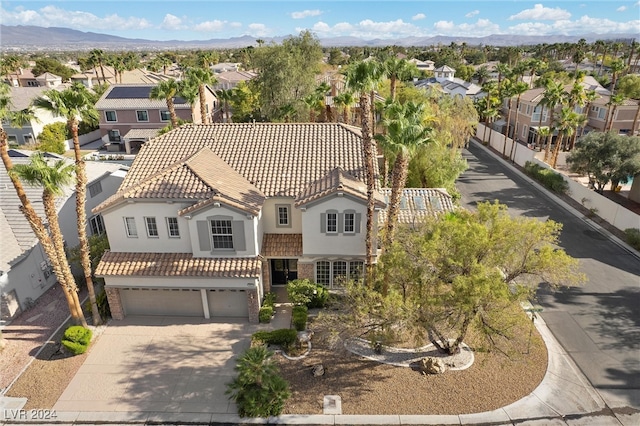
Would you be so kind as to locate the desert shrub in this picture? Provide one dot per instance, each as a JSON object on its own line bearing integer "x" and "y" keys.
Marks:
{"x": 76, "y": 339}
{"x": 299, "y": 317}
{"x": 548, "y": 178}
{"x": 258, "y": 389}
{"x": 269, "y": 299}
{"x": 306, "y": 292}
{"x": 265, "y": 314}
{"x": 284, "y": 337}
{"x": 52, "y": 138}
{"x": 633, "y": 237}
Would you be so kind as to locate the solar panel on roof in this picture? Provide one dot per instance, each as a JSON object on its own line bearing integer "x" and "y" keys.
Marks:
{"x": 131, "y": 92}
{"x": 435, "y": 203}
{"x": 419, "y": 203}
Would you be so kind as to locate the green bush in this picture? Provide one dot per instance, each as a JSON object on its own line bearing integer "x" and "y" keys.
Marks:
{"x": 76, "y": 339}
{"x": 103, "y": 304}
{"x": 265, "y": 314}
{"x": 299, "y": 317}
{"x": 633, "y": 237}
{"x": 548, "y": 178}
{"x": 52, "y": 138}
{"x": 306, "y": 292}
{"x": 269, "y": 299}
{"x": 258, "y": 390}
{"x": 284, "y": 337}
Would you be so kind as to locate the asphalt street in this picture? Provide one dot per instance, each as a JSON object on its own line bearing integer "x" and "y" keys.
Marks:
{"x": 597, "y": 323}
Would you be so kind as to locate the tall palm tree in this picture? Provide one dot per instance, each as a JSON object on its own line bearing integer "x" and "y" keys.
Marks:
{"x": 405, "y": 132}
{"x": 201, "y": 77}
{"x": 52, "y": 179}
{"x": 313, "y": 101}
{"x": 75, "y": 104}
{"x": 361, "y": 78}
{"x": 517, "y": 90}
{"x": 614, "y": 102}
{"x": 225, "y": 96}
{"x": 97, "y": 57}
{"x": 482, "y": 74}
{"x": 321, "y": 94}
{"x": 398, "y": 69}
{"x": 166, "y": 91}
{"x": 566, "y": 124}
{"x": 344, "y": 101}
{"x": 506, "y": 91}
{"x": 553, "y": 96}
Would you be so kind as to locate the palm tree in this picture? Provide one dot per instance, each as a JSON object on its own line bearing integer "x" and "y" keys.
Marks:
{"x": 97, "y": 57}
{"x": 517, "y": 90}
{"x": 74, "y": 104}
{"x": 566, "y": 120}
{"x": 321, "y": 93}
{"x": 481, "y": 74}
{"x": 543, "y": 133}
{"x": 553, "y": 96}
{"x": 52, "y": 179}
{"x": 225, "y": 96}
{"x": 344, "y": 100}
{"x": 287, "y": 112}
{"x": 395, "y": 69}
{"x": 201, "y": 77}
{"x": 506, "y": 91}
{"x": 614, "y": 102}
{"x": 313, "y": 101}
{"x": 167, "y": 90}
{"x": 361, "y": 78}
{"x": 405, "y": 132}
{"x": 617, "y": 66}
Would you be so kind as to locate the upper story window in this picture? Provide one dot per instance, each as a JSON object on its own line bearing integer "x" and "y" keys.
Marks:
{"x": 95, "y": 188}
{"x": 130, "y": 227}
{"x": 222, "y": 234}
{"x": 165, "y": 116}
{"x": 172, "y": 227}
{"x": 152, "y": 227}
{"x": 97, "y": 225}
{"x": 110, "y": 116}
{"x": 142, "y": 115}
{"x": 332, "y": 223}
{"x": 349, "y": 222}
{"x": 283, "y": 212}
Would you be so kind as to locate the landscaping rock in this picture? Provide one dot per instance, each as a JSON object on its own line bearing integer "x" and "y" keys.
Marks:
{"x": 317, "y": 370}
{"x": 431, "y": 365}
{"x": 305, "y": 336}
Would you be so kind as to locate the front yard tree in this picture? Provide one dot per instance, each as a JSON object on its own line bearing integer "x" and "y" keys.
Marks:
{"x": 52, "y": 178}
{"x": 459, "y": 272}
{"x": 166, "y": 91}
{"x": 75, "y": 104}
{"x": 606, "y": 157}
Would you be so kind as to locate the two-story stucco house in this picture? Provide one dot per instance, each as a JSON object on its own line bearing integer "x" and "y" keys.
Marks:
{"x": 445, "y": 78}
{"x": 209, "y": 217}
{"x": 125, "y": 108}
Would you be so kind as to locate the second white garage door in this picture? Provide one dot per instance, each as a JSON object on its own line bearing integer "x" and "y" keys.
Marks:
{"x": 228, "y": 303}
{"x": 170, "y": 302}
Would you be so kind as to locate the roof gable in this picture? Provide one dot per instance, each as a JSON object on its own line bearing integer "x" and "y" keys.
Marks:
{"x": 336, "y": 181}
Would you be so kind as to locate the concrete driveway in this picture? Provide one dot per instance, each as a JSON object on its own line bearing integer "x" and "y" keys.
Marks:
{"x": 160, "y": 364}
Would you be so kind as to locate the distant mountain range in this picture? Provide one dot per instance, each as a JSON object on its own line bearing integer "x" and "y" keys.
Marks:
{"x": 40, "y": 38}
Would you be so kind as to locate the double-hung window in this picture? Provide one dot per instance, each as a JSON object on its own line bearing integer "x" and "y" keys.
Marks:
{"x": 142, "y": 115}
{"x": 349, "y": 222}
{"x": 165, "y": 116}
{"x": 283, "y": 213}
{"x": 222, "y": 234}
{"x": 130, "y": 226}
{"x": 152, "y": 227}
{"x": 332, "y": 223}
{"x": 110, "y": 116}
{"x": 172, "y": 227}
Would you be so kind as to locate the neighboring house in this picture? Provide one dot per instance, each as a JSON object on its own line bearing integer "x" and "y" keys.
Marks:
{"x": 423, "y": 65}
{"x": 23, "y": 78}
{"x": 126, "y": 107}
{"x": 89, "y": 78}
{"x": 210, "y": 217}
{"x": 529, "y": 110}
{"x": 49, "y": 80}
{"x": 418, "y": 204}
{"x": 230, "y": 79}
{"x": 25, "y": 273}
{"x": 21, "y": 98}
{"x": 446, "y": 80}
{"x": 225, "y": 67}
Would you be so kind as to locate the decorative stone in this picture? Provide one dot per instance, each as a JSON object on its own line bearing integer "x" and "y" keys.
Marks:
{"x": 305, "y": 336}
{"x": 431, "y": 365}
{"x": 317, "y": 370}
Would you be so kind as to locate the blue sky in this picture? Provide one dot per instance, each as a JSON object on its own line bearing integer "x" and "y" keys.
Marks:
{"x": 202, "y": 20}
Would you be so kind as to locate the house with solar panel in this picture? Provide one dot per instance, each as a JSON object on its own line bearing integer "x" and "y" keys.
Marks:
{"x": 210, "y": 217}
{"x": 128, "y": 117}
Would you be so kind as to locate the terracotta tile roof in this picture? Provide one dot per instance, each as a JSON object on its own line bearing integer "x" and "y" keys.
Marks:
{"x": 337, "y": 180}
{"x": 203, "y": 177}
{"x": 177, "y": 264}
{"x": 279, "y": 159}
{"x": 419, "y": 203}
{"x": 282, "y": 245}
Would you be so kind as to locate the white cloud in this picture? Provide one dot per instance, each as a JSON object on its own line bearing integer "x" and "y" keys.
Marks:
{"x": 258, "y": 30}
{"x": 368, "y": 29}
{"x": 482, "y": 27}
{"x": 52, "y": 16}
{"x": 621, "y": 9}
{"x": 418, "y": 16}
{"x": 172, "y": 23}
{"x": 541, "y": 13}
{"x": 444, "y": 25}
{"x": 305, "y": 14}
{"x": 472, "y": 14}
{"x": 214, "y": 26}
{"x": 577, "y": 27}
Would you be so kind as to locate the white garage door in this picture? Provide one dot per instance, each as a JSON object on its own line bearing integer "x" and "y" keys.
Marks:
{"x": 228, "y": 303}
{"x": 171, "y": 302}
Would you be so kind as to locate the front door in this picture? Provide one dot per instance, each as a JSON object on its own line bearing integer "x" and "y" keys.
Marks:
{"x": 283, "y": 271}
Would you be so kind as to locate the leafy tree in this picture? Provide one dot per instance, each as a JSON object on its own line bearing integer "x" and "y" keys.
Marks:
{"x": 245, "y": 103}
{"x": 54, "y": 67}
{"x": 629, "y": 86}
{"x": 459, "y": 271}
{"x": 52, "y": 138}
{"x": 433, "y": 166}
{"x": 606, "y": 157}
{"x": 258, "y": 390}
{"x": 75, "y": 104}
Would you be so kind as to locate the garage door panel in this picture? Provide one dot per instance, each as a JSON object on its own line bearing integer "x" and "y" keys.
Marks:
{"x": 169, "y": 302}
{"x": 228, "y": 303}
